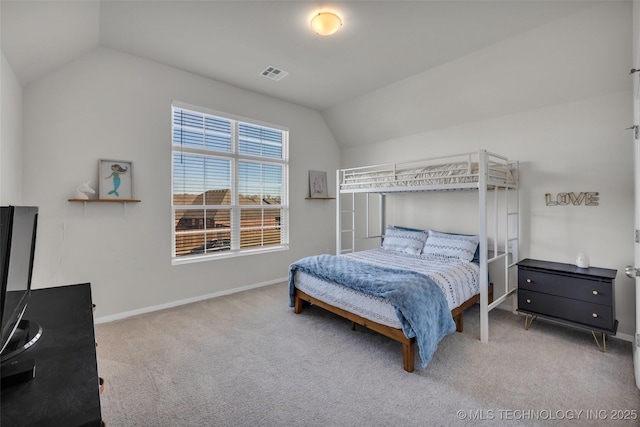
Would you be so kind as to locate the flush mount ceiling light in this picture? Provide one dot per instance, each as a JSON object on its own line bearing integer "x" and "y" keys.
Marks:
{"x": 326, "y": 23}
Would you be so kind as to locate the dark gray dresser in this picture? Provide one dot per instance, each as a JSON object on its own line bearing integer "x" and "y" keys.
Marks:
{"x": 582, "y": 297}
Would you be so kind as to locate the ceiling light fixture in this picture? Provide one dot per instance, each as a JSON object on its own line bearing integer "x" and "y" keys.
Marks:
{"x": 326, "y": 23}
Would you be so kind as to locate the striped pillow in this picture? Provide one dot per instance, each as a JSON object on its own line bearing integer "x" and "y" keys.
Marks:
{"x": 451, "y": 246}
{"x": 403, "y": 240}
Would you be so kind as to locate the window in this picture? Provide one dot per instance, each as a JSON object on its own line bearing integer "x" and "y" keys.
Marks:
{"x": 230, "y": 185}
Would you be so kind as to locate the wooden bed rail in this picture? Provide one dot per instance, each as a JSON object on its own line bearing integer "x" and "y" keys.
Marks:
{"x": 408, "y": 344}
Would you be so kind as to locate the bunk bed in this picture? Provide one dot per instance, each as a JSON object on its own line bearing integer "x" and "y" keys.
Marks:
{"x": 353, "y": 283}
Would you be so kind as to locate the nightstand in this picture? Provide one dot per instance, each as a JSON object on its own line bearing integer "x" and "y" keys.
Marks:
{"x": 581, "y": 297}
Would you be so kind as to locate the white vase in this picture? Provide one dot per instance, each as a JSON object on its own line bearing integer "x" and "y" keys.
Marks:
{"x": 582, "y": 260}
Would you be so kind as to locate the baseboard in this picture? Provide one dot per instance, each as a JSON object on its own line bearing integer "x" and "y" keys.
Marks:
{"x": 124, "y": 315}
{"x": 623, "y": 337}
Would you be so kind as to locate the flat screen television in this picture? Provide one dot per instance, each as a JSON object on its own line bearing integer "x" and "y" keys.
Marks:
{"x": 18, "y": 225}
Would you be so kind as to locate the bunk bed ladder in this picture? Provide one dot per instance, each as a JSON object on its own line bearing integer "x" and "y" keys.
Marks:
{"x": 509, "y": 256}
{"x": 339, "y": 223}
{"x": 484, "y": 251}
{"x": 350, "y": 229}
{"x": 514, "y": 239}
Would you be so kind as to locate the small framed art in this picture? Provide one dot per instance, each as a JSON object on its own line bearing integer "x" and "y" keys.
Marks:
{"x": 115, "y": 180}
{"x": 318, "y": 185}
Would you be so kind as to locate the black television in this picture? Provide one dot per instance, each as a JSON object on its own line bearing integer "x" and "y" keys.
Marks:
{"x": 18, "y": 225}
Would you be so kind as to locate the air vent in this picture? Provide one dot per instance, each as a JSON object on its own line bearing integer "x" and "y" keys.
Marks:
{"x": 274, "y": 73}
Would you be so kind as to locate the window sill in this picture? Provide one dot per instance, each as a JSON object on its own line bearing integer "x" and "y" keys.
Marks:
{"x": 226, "y": 254}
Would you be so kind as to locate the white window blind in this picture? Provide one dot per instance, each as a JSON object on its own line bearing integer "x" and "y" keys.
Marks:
{"x": 229, "y": 185}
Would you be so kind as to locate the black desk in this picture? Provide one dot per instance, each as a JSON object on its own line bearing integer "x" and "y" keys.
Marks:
{"x": 65, "y": 391}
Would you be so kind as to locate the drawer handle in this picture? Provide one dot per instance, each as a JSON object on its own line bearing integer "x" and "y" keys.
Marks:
{"x": 595, "y": 292}
{"x": 594, "y": 315}
{"x": 528, "y": 301}
{"x": 529, "y": 280}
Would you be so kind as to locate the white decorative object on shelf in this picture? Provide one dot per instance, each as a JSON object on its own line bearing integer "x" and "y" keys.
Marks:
{"x": 82, "y": 190}
{"x": 582, "y": 260}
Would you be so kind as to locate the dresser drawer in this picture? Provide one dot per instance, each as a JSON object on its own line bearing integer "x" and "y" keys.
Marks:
{"x": 578, "y": 288}
{"x": 585, "y": 313}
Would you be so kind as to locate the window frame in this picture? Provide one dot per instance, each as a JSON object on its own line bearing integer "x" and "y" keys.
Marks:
{"x": 235, "y": 207}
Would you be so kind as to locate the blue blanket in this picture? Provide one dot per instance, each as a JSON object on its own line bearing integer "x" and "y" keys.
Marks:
{"x": 419, "y": 303}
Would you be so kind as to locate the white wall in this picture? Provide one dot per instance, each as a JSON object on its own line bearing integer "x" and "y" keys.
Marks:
{"x": 565, "y": 143}
{"x": 10, "y": 136}
{"x": 115, "y": 106}
{"x": 636, "y": 33}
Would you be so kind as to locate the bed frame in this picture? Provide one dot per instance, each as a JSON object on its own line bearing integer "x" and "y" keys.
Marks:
{"x": 408, "y": 344}
{"x": 480, "y": 171}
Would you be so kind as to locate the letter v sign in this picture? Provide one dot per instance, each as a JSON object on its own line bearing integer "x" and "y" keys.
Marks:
{"x": 576, "y": 200}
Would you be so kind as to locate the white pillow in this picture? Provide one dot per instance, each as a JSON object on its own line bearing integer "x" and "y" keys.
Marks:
{"x": 403, "y": 240}
{"x": 451, "y": 246}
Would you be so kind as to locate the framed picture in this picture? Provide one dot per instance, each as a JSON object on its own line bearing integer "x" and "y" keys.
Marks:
{"x": 318, "y": 184}
{"x": 115, "y": 181}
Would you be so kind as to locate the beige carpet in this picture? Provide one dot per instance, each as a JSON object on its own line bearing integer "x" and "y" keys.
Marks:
{"x": 248, "y": 360}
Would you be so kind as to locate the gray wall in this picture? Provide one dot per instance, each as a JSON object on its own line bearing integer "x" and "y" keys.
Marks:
{"x": 10, "y": 136}
{"x": 115, "y": 106}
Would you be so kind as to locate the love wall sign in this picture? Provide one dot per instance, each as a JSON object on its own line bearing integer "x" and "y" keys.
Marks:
{"x": 589, "y": 198}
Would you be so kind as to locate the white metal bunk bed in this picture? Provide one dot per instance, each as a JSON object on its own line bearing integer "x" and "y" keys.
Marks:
{"x": 494, "y": 177}
{"x": 489, "y": 174}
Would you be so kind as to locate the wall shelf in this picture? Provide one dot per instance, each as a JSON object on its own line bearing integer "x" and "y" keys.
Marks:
{"x": 105, "y": 200}
{"x": 123, "y": 201}
{"x": 319, "y": 198}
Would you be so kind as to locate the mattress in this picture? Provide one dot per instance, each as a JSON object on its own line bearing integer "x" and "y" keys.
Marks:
{"x": 458, "y": 280}
{"x": 442, "y": 174}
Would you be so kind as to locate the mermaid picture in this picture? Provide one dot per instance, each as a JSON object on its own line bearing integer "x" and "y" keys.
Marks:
{"x": 116, "y": 171}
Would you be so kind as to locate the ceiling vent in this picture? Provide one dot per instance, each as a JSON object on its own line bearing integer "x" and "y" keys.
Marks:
{"x": 274, "y": 73}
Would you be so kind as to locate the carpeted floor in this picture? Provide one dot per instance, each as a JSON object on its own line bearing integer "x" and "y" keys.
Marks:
{"x": 248, "y": 360}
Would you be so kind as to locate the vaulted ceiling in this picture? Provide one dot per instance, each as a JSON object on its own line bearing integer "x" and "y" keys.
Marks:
{"x": 380, "y": 43}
